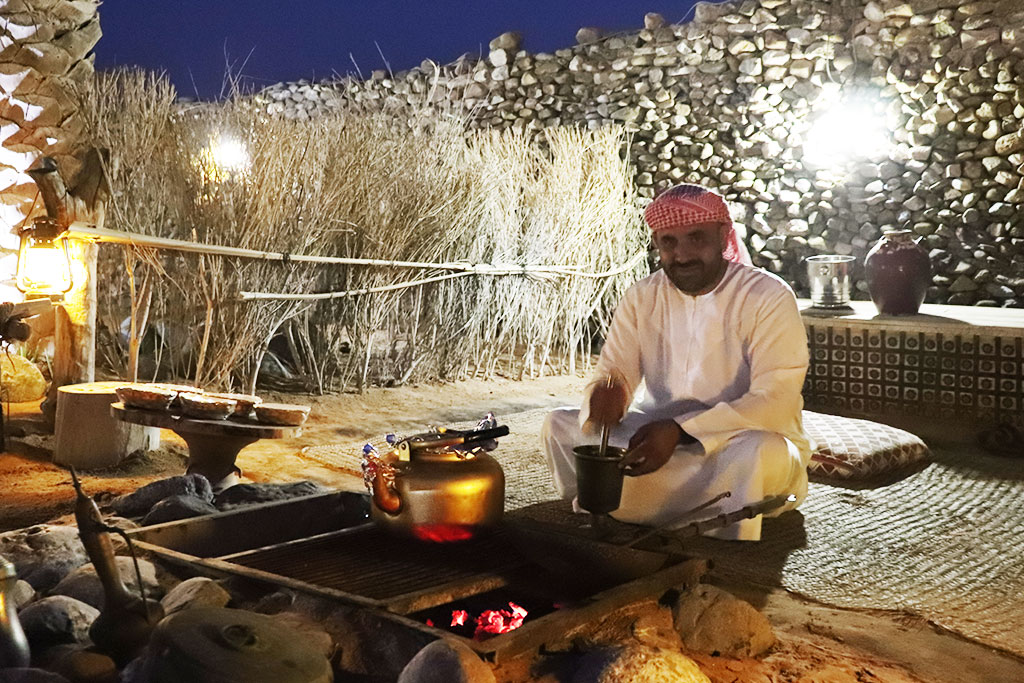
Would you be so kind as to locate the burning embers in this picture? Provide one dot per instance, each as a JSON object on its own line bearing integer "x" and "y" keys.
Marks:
{"x": 491, "y": 622}
{"x": 489, "y": 614}
{"x": 442, "y": 533}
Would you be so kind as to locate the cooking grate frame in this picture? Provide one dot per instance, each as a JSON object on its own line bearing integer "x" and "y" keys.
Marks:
{"x": 397, "y": 574}
{"x": 276, "y": 530}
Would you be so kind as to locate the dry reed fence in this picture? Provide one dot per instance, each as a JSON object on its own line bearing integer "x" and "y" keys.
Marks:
{"x": 361, "y": 186}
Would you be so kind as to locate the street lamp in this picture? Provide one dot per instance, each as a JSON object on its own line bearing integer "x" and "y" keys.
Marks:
{"x": 44, "y": 266}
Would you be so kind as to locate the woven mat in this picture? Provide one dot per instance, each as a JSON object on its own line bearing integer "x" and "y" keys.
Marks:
{"x": 945, "y": 542}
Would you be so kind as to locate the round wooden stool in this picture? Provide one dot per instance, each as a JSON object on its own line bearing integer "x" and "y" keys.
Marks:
{"x": 88, "y": 436}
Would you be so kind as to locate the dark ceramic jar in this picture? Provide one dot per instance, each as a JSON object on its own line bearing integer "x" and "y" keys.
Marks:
{"x": 898, "y": 273}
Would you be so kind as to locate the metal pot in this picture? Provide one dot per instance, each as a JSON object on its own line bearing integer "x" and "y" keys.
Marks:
{"x": 438, "y": 492}
{"x": 598, "y": 478}
{"x": 829, "y": 278}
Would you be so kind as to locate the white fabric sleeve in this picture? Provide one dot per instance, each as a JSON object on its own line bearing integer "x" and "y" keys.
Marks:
{"x": 778, "y": 365}
{"x": 620, "y": 355}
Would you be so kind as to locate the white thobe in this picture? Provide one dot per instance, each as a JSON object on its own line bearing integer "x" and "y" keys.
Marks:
{"x": 729, "y": 367}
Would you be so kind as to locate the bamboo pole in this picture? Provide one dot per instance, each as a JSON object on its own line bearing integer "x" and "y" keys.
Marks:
{"x": 89, "y": 234}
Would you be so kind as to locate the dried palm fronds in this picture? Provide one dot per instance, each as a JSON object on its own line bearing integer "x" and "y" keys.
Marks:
{"x": 363, "y": 186}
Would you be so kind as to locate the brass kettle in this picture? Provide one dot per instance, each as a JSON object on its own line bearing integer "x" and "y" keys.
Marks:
{"x": 433, "y": 490}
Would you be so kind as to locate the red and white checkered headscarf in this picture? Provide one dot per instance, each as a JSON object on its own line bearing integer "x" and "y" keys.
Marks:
{"x": 685, "y": 205}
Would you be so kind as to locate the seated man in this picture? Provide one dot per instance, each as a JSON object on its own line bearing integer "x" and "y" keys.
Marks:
{"x": 721, "y": 350}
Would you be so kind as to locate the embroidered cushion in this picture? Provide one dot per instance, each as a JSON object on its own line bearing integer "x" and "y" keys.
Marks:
{"x": 848, "y": 448}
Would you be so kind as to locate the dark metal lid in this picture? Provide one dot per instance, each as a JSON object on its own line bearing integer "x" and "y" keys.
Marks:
{"x": 216, "y": 644}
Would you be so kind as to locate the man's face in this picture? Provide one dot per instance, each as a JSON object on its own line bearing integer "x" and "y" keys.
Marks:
{"x": 691, "y": 256}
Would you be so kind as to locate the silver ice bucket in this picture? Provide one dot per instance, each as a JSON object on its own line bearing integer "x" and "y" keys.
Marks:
{"x": 829, "y": 277}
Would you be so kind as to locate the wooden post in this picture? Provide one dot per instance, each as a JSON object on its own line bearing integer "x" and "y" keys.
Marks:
{"x": 74, "y": 359}
{"x": 74, "y": 335}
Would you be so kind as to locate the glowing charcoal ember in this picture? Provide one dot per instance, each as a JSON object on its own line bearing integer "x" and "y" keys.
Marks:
{"x": 443, "y": 533}
{"x": 459, "y": 617}
{"x": 492, "y": 622}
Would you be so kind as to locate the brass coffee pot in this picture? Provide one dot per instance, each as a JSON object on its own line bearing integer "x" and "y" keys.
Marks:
{"x": 431, "y": 488}
{"x": 126, "y": 621}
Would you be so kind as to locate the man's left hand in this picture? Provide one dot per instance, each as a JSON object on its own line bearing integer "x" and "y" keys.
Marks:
{"x": 651, "y": 447}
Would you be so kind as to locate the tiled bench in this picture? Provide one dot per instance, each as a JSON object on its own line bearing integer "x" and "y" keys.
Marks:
{"x": 947, "y": 372}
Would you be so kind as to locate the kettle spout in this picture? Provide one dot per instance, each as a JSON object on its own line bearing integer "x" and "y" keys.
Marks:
{"x": 385, "y": 495}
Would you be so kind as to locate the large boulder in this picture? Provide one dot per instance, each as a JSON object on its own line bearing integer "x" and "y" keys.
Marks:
{"x": 22, "y": 593}
{"x": 177, "y": 507}
{"x": 637, "y": 664}
{"x": 713, "y": 621}
{"x": 444, "y": 661}
{"x": 138, "y": 503}
{"x": 57, "y": 620}
{"x": 199, "y": 591}
{"x": 30, "y": 676}
{"x": 81, "y": 665}
{"x": 84, "y": 584}
{"x": 43, "y": 554}
{"x": 240, "y": 495}
{"x": 20, "y": 379}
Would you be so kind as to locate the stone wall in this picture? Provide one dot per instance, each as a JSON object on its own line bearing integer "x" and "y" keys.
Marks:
{"x": 729, "y": 98}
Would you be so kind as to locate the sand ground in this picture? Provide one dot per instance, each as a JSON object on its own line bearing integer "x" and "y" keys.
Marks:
{"x": 816, "y": 643}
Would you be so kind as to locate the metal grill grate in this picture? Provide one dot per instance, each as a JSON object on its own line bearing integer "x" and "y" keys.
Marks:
{"x": 377, "y": 565}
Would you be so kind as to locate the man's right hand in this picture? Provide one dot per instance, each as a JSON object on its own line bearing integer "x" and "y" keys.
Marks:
{"x": 608, "y": 402}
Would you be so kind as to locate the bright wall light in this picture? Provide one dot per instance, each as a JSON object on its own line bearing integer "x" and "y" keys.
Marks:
{"x": 846, "y": 131}
{"x": 224, "y": 157}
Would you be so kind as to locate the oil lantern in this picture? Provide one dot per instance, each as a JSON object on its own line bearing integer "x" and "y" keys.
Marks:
{"x": 44, "y": 266}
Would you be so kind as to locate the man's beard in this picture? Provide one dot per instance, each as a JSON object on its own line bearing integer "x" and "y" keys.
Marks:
{"x": 694, "y": 277}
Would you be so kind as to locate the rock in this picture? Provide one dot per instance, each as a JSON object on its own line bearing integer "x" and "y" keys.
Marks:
{"x": 637, "y": 664}
{"x": 82, "y": 666}
{"x": 43, "y": 554}
{"x": 999, "y": 291}
{"x": 56, "y": 620}
{"x": 510, "y": 40}
{"x": 588, "y": 34}
{"x": 139, "y": 502}
{"x": 444, "y": 661}
{"x": 741, "y": 46}
{"x": 713, "y": 621}
{"x": 655, "y": 628}
{"x": 874, "y": 13}
{"x": 136, "y": 671}
{"x": 30, "y": 676}
{"x": 177, "y": 507}
{"x": 199, "y": 591}
{"x": 22, "y": 594}
{"x": 20, "y": 379}
{"x": 251, "y": 494}
{"x": 963, "y": 284}
{"x": 84, "y": 585}
{"x": 310, "y": 630}
{"x": 653, "y": 21}
{"x": 498, "y": 57}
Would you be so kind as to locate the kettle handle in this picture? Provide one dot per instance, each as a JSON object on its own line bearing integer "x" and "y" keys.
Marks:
{"x": 456, "y": 439}
{"x": 485, "y": 434}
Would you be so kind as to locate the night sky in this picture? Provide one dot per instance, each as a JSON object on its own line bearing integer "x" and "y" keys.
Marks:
{"x": 196, "y": 42}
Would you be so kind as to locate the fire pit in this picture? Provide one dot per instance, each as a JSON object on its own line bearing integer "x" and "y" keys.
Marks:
{"x": 495, "y": 592}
